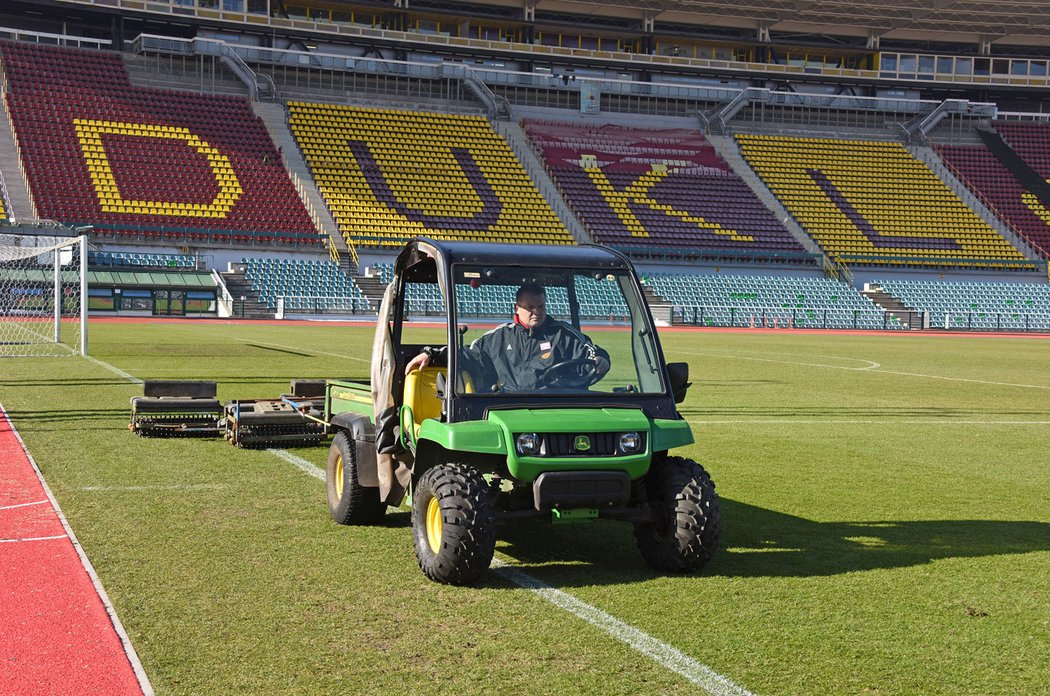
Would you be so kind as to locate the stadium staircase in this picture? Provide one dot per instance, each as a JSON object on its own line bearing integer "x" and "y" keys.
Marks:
{"x": 907, "y": 316}
{"x": 20, "y": 203}
{"x": 519, "y": 142}
{"x": 372, "y": 287}
{"x": 239, "y": 287}
{"x": 275, "y": 119}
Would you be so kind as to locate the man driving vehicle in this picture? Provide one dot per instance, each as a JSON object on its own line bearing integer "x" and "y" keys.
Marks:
{"x": 519, "y": 355}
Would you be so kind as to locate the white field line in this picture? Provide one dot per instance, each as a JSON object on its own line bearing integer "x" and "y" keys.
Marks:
{"x": 115, "y": 370}
{"x": 869, "y": 367}
{"x": 305, "y": 466}
{"x": 656, "y": 650}
{"x": 50, "y": 538}
{"x": 159, "y": 487}
{"x": 21, "y": 505}
{"x": 111, "y": 612}
{"x": 895, "y": 422}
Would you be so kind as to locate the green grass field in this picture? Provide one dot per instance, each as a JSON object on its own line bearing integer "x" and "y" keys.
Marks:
{"x": 885, "y": 505}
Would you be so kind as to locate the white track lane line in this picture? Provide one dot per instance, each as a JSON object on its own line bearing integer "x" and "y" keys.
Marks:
{"x": 125, "y": 640}
{"x": 663, "y": 654}
{"x": 50, "y": 538}
{"x": 21, "y": 505}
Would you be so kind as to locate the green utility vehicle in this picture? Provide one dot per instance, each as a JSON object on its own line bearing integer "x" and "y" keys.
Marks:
{"x": 579, "y": 442}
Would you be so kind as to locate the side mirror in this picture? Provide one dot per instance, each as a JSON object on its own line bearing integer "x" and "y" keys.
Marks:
{"x": 678, "y": 373}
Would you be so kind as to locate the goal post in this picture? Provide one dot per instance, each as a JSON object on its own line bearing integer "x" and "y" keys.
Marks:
{"x": 43, "y": 295}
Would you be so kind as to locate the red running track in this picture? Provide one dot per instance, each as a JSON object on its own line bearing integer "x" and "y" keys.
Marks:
{"x": 58, "y": 634}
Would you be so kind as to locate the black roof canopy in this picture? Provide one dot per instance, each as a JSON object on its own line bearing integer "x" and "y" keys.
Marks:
{"x": 447, "y": 253}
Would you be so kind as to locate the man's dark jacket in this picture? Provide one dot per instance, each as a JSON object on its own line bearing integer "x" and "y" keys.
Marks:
{"x": 514, "y": 357}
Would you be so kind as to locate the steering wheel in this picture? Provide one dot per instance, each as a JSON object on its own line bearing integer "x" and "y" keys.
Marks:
{"x": 568, "y": 374}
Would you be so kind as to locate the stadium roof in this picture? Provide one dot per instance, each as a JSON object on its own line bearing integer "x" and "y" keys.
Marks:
{"x": 1016, "y": 22}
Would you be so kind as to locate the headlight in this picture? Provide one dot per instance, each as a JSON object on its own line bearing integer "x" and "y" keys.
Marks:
{"x": 630, "y": 442}
{"x": 528, "y": 443}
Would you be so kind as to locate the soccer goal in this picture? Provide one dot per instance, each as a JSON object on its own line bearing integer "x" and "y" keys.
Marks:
{"x": 43, "y": 295}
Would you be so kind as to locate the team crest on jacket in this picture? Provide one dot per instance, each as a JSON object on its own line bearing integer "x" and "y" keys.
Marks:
{"x": 546, "y": 356}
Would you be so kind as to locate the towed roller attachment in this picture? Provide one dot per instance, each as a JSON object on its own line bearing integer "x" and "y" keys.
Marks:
{"x": 275, "y": 422}
{"x": 176, "y": 408}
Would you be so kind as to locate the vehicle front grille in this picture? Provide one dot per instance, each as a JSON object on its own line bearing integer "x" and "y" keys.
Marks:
{"x": 564, "y": 445}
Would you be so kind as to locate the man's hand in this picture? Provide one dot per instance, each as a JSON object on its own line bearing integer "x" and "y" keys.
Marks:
{"x": 418, "y": 363}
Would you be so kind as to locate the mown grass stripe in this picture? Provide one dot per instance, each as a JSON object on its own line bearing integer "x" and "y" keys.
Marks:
{"x": 873, "y": 367}
{"x": 656, "y": 650}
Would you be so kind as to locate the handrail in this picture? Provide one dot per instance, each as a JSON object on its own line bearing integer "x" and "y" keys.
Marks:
{"x": 987, "y": 203}
{"x": 942, "y": 261}
{"x": 491, "y": 76}
{"x": 225, "y": 297}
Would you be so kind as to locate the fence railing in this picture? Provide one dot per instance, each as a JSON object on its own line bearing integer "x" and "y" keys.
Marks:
{"x": 840, "y": 318}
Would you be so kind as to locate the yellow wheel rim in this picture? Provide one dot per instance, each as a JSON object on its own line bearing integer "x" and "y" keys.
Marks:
{"x": 339, "y": 476}
{"x": 434, "y": 525}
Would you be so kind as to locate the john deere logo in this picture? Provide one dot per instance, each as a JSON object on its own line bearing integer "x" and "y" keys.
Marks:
{"x": 582, "y": 444}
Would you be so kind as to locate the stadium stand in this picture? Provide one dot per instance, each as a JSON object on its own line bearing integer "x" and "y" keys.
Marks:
{"x": 985, "y": 175}
{"x": 147, "y": 163}
{"x": 744, "y": 300}
{"x": 597, "y": 301}
{"x": 970, "y": 305}
{"x": 389, "y": 175}
{"x": 638, "y": 188}
{"x": 304, "y": 285}
{"x": 872, "y": 202}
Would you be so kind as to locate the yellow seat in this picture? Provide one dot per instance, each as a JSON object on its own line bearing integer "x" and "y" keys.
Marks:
{"x": 421, "y": 395}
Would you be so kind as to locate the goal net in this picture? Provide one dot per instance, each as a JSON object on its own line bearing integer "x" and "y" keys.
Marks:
{"x": 43, "y": 293}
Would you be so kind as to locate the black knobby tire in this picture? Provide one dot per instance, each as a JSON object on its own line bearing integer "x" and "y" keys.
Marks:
{"x": 453, "y": 523}
{"x": 687, "y": 534}
{"x": 349, "y": 501}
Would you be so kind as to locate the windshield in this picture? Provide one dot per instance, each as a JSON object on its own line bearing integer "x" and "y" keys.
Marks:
{"x": 552, "y": 331}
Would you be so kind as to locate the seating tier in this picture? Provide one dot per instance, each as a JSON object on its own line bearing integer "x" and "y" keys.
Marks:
{"x": 872, "y": 202}
{"x": 730, "y": 300}
{"x": 177, "y": 166}
{"x": 655, "y": 188}
{"x": 974, "y": 305}
{"x": 390, "y": 175}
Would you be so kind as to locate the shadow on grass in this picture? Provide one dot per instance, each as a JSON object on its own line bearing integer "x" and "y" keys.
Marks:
{"x": 763, "y": 543}
{"x": 71, "y": 382}
{"x": 73, "y": 413}
{"x": 760, "y": 542}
